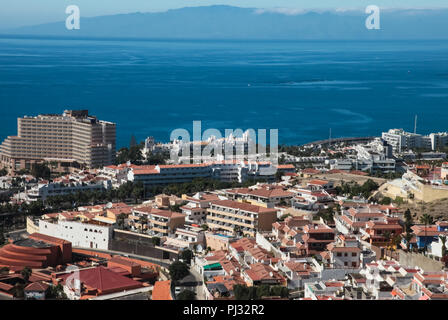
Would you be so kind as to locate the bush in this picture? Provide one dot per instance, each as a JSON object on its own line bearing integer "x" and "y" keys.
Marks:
{"x": 186, "y": 295}
{"x": 178, "y": 270}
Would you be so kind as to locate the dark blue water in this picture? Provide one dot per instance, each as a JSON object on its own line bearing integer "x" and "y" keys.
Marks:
{"x": 301, "y": 88}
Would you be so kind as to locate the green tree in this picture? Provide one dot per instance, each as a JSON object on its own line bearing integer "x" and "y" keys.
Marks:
{"x": 385, "y": 201}
{"x": 2, "y": 238}
{"x": 443, "y": 240}
{"x": 121, "y": 220}
{"x": 178, "y": 270}
{"x": 155, "y": 241}
{"x": 426, "y": 219}
{"x": 408, "y": 237}
{"x": 157, "y": 158}
{"x": 263, "y": 291}
{"x": 186, "y": 256}
{"x": 26, "y": 273}
{"x": 138, "y": 191}
{"x": 41, "y": 171}
{"x": 408, "y": 221}
{"x": 143, "y": 221}
{"x": 4, "y": 270}
{"x": 56, "y": 292}
{"x": 279, "y": 291}
{"x": 186, "y": 295}
{"x": 18, "y": 290}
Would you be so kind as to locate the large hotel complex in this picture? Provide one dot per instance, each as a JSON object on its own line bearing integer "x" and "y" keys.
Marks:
{"x": 73, "y": 138}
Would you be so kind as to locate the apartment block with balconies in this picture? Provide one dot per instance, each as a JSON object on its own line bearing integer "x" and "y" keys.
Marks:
{"x": 73, "y": 137}
{"x": 229, "y": 216}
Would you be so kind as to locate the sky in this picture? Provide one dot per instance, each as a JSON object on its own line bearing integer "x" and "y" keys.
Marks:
{"x": 16, "y": 13}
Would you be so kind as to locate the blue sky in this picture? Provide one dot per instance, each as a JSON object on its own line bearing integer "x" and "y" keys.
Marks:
{"x": 14, "y": 13}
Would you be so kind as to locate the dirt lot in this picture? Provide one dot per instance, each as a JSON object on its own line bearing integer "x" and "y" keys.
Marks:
{"x": 338, "y": 178}
{"x": 437, "y": 209}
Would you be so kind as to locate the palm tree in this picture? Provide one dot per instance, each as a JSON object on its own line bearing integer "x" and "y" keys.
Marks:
{"x": 443, "y": 240}
{"x": 26, "y": 273}
{"x": 143, "y": 221}
{"x": 387, "y": 237}
{"x": 408, "y": 238}
{"x": 427, "y": 220}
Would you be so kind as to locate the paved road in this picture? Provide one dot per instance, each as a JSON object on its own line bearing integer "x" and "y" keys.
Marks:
{"x": 162, "y": 262}
{"x": 198, "y": 289}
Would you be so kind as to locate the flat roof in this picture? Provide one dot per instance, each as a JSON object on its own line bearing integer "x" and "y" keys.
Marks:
{"x": 30, "y": 243}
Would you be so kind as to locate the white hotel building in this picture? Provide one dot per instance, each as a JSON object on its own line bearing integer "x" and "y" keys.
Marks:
{"x": 401, "y": 140}
{"x": 49, "y": 189}
{"x": 230, "y": 171}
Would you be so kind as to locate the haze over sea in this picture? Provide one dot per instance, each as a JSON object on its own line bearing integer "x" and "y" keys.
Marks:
{"x": 304, "y": 88}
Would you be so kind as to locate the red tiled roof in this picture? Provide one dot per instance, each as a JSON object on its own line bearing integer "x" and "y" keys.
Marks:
{"x": 242, "y": 206}
{"x": 318, "y": 182}
{"x": 162, "y": 290}
{"x": 286, "y": 166}
{"x": 104, "y": 280}
{"x": 37, "y": 287}
{"x": 345, "y": 249}
{"x": 47, "y": 239}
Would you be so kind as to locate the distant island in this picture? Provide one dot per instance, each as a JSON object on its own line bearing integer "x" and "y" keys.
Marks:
{"x": 234, "y": 23}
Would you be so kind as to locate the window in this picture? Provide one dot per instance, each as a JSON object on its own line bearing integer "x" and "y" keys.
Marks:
{"x": 353, "y": 254}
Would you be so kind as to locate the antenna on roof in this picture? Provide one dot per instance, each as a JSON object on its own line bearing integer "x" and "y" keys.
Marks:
{"x": 415, "y": 124}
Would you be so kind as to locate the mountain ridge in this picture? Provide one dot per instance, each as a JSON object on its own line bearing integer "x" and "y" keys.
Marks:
{"x": 229, "y": 22}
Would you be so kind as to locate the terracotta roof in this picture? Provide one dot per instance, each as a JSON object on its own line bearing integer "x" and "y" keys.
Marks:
{"x": 318, "y": 182}
{"x": 242, "y": 206}
{"x": 345, "y": 249}
{"x": 47, "y": 239}
{"x": 144, "y": 170}
{"x": 162, "y": 290}
{"x": 104, "y": 280}
{"x": 260, "y": 271}
{"x": 37, "y": 287}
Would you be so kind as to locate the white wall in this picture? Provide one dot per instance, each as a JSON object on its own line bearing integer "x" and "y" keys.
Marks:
{"x": 79, "y": 234}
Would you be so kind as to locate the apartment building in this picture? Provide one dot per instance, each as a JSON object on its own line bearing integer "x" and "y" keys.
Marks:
{"x": 401, "y": 140}
{"x": 196, "y": 207}
{"x": 230, "y": 171}
{"x": 186, "y": 237}
{"x": 45, "y": 189}
{"x": 265, "y": 195}
{"x": 73, "y": 137}
{"x": 160, "y": 223}
{"x": 228, "y": 215}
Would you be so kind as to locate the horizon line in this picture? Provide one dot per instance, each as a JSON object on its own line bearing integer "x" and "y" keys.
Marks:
{"x": 257, "y": 10}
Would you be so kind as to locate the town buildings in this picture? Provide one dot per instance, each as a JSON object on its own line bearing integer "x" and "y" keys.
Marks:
{"x": 401, "y": 140}
{"x": 228, "y": 216}
{"x": 159, "y": 223}
{"x": 72, "y": 139}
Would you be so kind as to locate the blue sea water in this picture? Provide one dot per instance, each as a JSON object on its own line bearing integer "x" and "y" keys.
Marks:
{"x": 301, "y": 88}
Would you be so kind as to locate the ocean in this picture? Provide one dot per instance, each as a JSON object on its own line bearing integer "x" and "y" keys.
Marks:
{"x": 302, "y": 89}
